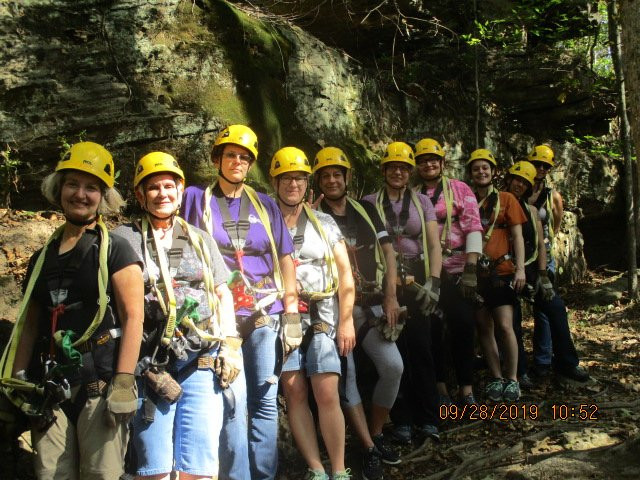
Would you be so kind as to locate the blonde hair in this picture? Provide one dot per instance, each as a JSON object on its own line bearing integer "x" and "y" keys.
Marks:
{"x": 111, "y": 202}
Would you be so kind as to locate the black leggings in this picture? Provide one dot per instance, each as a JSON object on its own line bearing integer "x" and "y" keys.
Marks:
{"x": 459, "y": 319}
{"x": 417, "y": 401}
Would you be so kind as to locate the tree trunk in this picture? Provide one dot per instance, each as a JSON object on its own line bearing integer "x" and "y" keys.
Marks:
{"x": 629, "y": 20}
{"x": 625, "y": 138}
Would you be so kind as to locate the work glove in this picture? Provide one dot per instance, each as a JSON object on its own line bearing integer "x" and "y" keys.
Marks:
{"x": 292, "y": 331}
{"x": 469, "y": 281}
{"x": 388, "y": 332}
{"x": 544, "y": 286}
{"x": 428, "y": 295}
{"x": 228, "y": 364}
{"x": 122, "y": 399}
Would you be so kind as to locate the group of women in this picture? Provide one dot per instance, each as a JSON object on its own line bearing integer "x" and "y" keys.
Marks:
{"x": 184, "y": 322}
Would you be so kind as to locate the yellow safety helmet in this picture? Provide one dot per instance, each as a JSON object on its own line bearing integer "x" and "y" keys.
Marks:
{"x": 427, "y": 146}
{"x": 482, "y": 154}
{"x": 156, "y": 162}
{"x": 91, "y": 158}
{"x": 330, "y": 157}
{"x": 239, "y": 135}
{"x": 398, "y": 152}
{"x": 541, "y": 153}
{"x": 289, "y": 159}
{"x": 524, "y": 170}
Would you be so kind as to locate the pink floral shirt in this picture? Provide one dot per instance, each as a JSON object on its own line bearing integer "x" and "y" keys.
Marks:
{"x": 465, "y": 218}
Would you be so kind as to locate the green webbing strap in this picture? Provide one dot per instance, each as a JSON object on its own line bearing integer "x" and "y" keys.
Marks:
{"x": 381, "y": 263}
{"x": 423, "y": 224}
{"x": 329, "y": 259}
{"x": 264, "y": 219}
{"x": 9, "y": 354}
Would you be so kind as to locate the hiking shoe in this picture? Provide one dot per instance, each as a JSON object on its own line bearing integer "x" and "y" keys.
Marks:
{"x": 541, "y": 370}
{"x": 511, "y": 392}
{"x": 371, "y": 465}
{"x": 444, "y": 400}
{"x": 343, "y": 475}
{"x": 430, "y": 431}
{"x": 576, "y": 373}
{"x": 316, "y": 475}
{"x": 387, "y": 454}
{"x": 493, "y": 390}
{"x": 468, "y": 400}
{"x": 525, "y": 382}
{"x": 402, "y": 434}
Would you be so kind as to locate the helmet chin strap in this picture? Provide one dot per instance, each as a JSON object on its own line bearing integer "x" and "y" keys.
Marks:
{"x": 82, "y": 223}
{"x": 335, "y": 199}
{"x": 292, "y": 205}
{"x": 221, "y": 174}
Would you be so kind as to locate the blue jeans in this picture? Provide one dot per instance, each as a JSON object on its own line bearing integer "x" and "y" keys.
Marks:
{"x": 248, "y": 445}
{"x": 183, "y": 436}
{"x": 565, "y": 356}
{"x": 542, "y": 347}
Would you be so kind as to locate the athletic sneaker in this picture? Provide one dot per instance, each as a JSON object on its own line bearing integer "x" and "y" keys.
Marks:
{"x": 343, "y": 475}
{"x": 316, "y": 475}
{"x": 387, "y": 454}
{"x": 511, "y": 392}
{"x": 493, "y": 390}
{"x": 402, "y": 434}
{"x": 371, "y": 465}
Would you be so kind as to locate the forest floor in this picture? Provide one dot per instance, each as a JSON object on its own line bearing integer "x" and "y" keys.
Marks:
{"x": 559, "y": 430}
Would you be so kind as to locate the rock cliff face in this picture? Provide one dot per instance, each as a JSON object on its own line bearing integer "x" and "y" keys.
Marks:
{"x": 168, "y": 74}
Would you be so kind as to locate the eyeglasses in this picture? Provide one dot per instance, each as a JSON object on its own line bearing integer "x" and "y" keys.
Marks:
{"x": 544, "y": 166}
{"x": 289, "y": 180}
{"x": 244, "y": 158}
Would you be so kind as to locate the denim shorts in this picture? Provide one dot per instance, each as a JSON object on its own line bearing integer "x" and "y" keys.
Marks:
{"x": 321, "y": 357}
{"x": 190, "y": 428}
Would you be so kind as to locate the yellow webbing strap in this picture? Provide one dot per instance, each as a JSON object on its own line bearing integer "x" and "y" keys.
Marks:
{"x": 534, "y": 255}
{"x": 164, "y": 274}
{"x": 423, "y": 224}
{"x": 381, "y": 263}
{"x": 494, "y": 214}
{"x": 551, "y": 218}
{"x": 264, "y": 219}
{"x": 203, "y": 253}
{"x": 9, "y": 354}
{"x": 329, "y": 259}
{"x": 197, "y": 242}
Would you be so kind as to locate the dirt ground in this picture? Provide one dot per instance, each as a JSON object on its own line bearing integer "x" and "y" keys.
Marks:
{"x": 559, "y": 430}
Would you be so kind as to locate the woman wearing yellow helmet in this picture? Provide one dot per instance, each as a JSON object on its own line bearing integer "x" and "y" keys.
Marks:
{"x": 256, "y": 246}
{"x": 500, "y": 276}
{"x": 74, "y": 332}
{"x": 520, "y": 182}
{"x": 550, "y": 208}
{"x": 461, "y": 240}
{"x": 178, "y": 424}
{"x": 411, "y": 220}
{"x": 325, "y": 285}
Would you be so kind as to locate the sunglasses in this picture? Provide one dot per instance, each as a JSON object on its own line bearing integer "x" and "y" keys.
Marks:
{"x": 544, "y": 166}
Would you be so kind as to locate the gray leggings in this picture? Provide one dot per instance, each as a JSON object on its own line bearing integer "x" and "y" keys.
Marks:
{"x": 387, "y": 360}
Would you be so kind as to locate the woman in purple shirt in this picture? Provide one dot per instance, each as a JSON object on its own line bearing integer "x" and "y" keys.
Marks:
{"x": 255, "y": 244}
{"x": 411, "y": 221}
